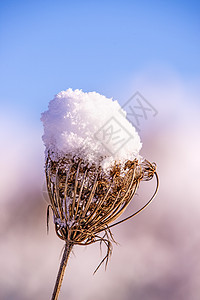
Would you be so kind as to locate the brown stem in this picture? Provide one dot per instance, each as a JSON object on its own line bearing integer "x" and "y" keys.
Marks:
{"x": 63, "y": 264}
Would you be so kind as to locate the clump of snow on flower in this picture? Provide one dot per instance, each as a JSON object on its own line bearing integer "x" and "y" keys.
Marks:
{"x": 89, "y": 126}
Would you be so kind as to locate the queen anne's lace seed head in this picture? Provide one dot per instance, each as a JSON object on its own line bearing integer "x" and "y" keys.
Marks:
{"x": 89, "y": 185}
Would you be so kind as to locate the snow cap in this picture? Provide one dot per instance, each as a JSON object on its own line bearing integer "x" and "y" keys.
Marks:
{"x": 89, "y": 126}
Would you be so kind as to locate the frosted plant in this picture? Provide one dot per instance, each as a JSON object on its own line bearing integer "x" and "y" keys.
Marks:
{"x": 89, "y": 184}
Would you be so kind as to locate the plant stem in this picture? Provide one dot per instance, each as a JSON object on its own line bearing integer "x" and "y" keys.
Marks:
{"x": 63, "y": 264}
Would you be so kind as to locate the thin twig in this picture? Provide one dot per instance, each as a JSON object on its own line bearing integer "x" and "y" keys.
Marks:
{"x": 63, "y": 264}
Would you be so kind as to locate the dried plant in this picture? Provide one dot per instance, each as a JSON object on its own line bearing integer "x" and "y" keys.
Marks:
{"x": 85, "y": 200}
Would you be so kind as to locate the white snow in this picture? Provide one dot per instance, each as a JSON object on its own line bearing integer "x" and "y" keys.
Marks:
{"x": 89, "y": 126}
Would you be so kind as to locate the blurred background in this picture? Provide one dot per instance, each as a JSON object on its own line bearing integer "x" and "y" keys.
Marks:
{"x": 115, "y": 48}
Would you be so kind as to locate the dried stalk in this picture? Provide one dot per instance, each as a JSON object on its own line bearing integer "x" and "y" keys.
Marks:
{"x": 61, "y": 272}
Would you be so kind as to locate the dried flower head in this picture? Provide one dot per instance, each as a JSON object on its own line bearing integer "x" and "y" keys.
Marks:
{"x": 89, "y": 185}
{"x": 85, "y": 199}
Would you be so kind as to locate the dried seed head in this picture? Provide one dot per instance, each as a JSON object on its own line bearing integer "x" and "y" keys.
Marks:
{"x": 85, "y": 200}
{"x": 90, "y": 183}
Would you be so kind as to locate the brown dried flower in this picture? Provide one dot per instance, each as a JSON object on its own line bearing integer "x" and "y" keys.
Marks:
{"x": 85, "y": 200}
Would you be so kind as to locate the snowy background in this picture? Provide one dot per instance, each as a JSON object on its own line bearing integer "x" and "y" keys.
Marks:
{"x": 115, "y": 48}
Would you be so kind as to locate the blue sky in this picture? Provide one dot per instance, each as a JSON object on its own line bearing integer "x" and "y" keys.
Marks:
{"x": 48, "y": 46}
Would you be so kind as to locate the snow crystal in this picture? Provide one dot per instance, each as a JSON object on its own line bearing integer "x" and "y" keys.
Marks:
{"x": 89, "y": 126}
